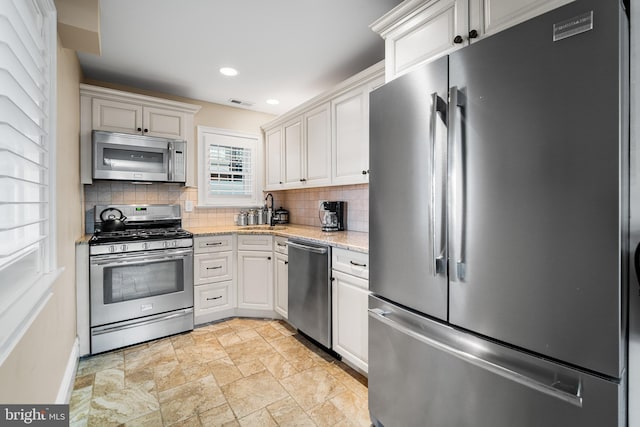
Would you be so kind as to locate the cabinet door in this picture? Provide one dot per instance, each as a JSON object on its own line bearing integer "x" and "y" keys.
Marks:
{"x": 274, "y": 159}
{"x": 116, "y": 116}
{"x": 427, "y": 33}
{"x": 490, "y": 16}
{"x": 293, "y": 152}
{"x": 317, "y": 158}
{"x": 350, "y": 318}
{"x": 281, "y": 284}
{"x": 163, "y": 123}
{"x": 350, "y": 139}
{"x": 255, "y": 280}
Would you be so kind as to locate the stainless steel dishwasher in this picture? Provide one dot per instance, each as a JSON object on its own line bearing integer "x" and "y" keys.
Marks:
{"x": 310, "y": 290}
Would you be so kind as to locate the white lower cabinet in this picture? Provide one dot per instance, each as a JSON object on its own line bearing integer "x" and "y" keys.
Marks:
{"x": 255, "y": 275}
{"x": 214, "y": 293}
{"x": 350, "y": 300}
{"x": 281, "y": 276}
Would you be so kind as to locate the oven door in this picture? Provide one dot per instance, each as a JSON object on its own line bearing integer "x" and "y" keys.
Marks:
{"x": 130, "y": 286}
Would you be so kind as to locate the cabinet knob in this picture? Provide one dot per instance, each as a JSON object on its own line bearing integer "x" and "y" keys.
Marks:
{"x": 139, "y": 129}
{"x": 303, "y": 179}
{"x": 280, "y": 182}
{"x": 473, "y": 34}
{"x": 286, "y": 262}
{"x": 269, "y": 258}
{"x": 458, "y": 40}
{"x": 146, "y": 130}
{"x": 365, "y": 172}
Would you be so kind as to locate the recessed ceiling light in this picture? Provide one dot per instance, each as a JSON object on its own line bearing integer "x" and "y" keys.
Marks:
{"x": 273, "y": 102}
{"x": 228, "y": 71}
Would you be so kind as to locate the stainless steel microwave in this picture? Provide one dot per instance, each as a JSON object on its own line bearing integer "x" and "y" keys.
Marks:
{"x": 120, "y": 156}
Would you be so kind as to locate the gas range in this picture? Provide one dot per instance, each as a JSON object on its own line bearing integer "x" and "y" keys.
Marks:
{"x": 140, "y": 275}
{"x": 146, "y": 228}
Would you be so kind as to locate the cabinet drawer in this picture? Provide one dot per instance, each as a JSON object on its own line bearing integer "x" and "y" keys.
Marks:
{"x": 215, "y": 267}
{"x": 213, "y": 243}
{"x": 212, "y": 297}
{"x": 350, "y": 262}
{"x": 255, "y": 242}
{"x": 280, "y": 245}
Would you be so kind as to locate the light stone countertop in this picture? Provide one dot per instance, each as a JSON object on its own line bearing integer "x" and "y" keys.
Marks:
{"x": 351, "y": 240}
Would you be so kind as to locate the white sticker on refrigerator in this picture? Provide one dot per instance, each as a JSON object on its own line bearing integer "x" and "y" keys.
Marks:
{"x": 571, "y": 27}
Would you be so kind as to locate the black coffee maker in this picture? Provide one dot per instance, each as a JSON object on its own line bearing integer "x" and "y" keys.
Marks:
{"x": 333, "y": 215}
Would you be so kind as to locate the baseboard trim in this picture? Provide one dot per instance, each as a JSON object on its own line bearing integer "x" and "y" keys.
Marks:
{"x": 66, "y": 385}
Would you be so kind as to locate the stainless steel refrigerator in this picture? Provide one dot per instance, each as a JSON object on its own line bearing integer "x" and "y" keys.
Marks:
{"x": 499, "y": 212}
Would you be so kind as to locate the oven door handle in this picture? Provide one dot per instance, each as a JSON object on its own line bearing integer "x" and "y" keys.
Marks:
{"x": 141, "y": 258}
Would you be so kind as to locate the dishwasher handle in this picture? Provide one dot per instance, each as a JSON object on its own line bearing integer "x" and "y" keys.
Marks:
{"x": 314, "y": 249}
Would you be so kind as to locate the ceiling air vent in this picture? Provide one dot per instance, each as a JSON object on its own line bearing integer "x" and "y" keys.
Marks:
{"x": 241, "y": 102}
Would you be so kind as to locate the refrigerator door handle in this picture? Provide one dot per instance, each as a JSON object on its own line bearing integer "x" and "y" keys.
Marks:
{"x": 456, "y": 178}
{"x": 438, "y": 108}
{"x": 532, "y": 376}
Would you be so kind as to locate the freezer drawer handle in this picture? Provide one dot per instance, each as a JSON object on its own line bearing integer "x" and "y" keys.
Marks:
{"x": 554, "y": 388}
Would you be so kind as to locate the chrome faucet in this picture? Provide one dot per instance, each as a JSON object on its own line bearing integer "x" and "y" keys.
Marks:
{"x": 265, "y": 204}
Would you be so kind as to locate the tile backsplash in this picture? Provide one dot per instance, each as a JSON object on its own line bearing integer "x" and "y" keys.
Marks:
{"x": 302, "y": 204}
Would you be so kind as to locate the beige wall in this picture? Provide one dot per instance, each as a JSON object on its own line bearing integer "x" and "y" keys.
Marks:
{"x": 34, "y": 371}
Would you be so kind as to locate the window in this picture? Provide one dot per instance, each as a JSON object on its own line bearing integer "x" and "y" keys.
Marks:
{"x": 228, "y": 174}
{"x": 27, "y": 156}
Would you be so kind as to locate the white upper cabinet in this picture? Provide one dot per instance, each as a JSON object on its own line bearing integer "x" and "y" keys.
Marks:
{"x": 125, "y": 117}
{"x": 114, "y": 116}
{"x": 350, "y": 142}
{"x": 324, "y": 141}
{"x": 418, "y": 31}
{"x": 273, "y": 159}
{"x": 163, "y": 123}
{"x": 317, "y": 159}
{"x": 117, "y": 111}
{"x": 491, "y": 16}
{"x": 292, "y": 132}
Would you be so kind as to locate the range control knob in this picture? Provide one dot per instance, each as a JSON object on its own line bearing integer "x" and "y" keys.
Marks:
{"x": 112, "y": 248}
{"x": 145, "y": 246}
{"x": 124, "y": 247}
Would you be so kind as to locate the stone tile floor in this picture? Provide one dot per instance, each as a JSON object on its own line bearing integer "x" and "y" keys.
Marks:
{"x": 240, "y": 372}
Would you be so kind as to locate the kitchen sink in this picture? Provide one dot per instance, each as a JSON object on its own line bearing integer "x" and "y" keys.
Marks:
{"x": 263, "y": 227}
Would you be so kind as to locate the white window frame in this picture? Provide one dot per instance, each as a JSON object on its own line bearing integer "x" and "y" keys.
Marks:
{"x": 246, "y": 140}
{"x": 21, "y": 305}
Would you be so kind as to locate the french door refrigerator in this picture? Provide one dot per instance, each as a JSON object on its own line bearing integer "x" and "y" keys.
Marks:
{"x": 499, "y": 230}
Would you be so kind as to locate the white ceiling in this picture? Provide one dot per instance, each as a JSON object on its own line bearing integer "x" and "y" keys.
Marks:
{"x": 290, "y": 50}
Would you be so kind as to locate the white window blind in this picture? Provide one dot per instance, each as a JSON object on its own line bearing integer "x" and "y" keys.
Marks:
{"x": 27, "y": 71}
{"x": 228, "y": 173}
{"x": 230, "y": 170}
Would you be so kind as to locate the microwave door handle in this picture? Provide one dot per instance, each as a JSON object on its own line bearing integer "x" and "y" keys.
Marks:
{"x": 170, "y": 162}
